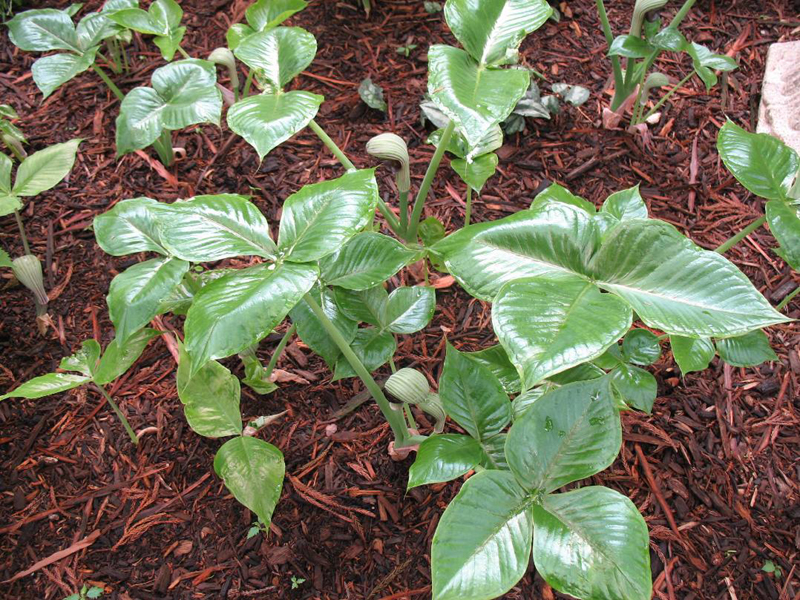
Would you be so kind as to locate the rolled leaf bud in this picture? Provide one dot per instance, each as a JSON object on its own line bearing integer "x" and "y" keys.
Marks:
{"x": 223, "y": 56}
{"x": 28, "y": 271}
{"x": 434, "y": 407}
{"x": 640, "y": 10}
{"x": 408, "y": 385}
{"x": 388, "y": 146}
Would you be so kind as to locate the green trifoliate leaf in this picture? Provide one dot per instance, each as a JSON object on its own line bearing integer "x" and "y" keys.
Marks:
{"x": 119, "y": 355}
{"x": 372, "y": 346}
{"x": 266, "y": 121}
{"x": 269, "y": 13}
{"x": 253, "y": 471}
{"x": 42, "y": 30}
{"x": 784, "y": 223}
{"x": 45, "y": 169}
{"x": 183, "y": 93}
{"x": 762, "y": 163}
{"x": 321, "y": 217}
{"x": 279, "y": 54}
{"x": 639, "y": 260}
{"x": 492, "y": 30}
{"x": 557, "y": 193}
{"x": 626, "y": 204}
{"x": 162, "y": 19}
{"x": 748, "y": 350}
{"x": 210, "y": 398}
{"x": 554, "y": 237}
{"x": 472, "y": 396}
{"x": 636, "y": 387}
{"x": 136, "y": 294}
{"x": 51, "y": 72}
{"x": 443, "y": 458}
{"x": 409, "y": 309}
{"x": 476, "y": 173}
{"x": 476, "y": 98}
{"x": 311, "y": 331}
{"x": 706, "y": 62}
{"x": 482, "y": 544}
{"x": 8, "y": 204}
{"x": 691, "y": 354}
{"x": 537, "y": 321}
{"x": 365, "y": 261}
{"x": 239, "y": 309}
{"x": 84, "y": 360}
{"x": 47, "y": 385}
{"x": 130, "y": 227}
{"x": 592, "y": 543}
{"x": 497, "y": 361}
{"x": 368, "y": 306}
{"x": 641, "y": 347}
{"x": 670, "y": 39}
{"x": 629, "y": 46}
{"x": 209, "y": 228}
{"x": 372, "y": 95}
{"x": 568, "y": 434}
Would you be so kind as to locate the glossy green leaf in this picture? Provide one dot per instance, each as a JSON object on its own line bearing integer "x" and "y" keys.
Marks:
{"x": 279, "y": 54}
{"x": 552, "y": 322}
{"x": 784, "y": 223}
{"x": 162, "y": 19}
{"x": 168, "y": 44}
{"x": 183, "y": 93}
{"x": 5, "y": 174}
{"x": 236, "y": 33}
{"x": 472, "y": 396}
{"x": 42, "y": 30}
{"x": 84, "y": 360}
{"x": 253, "y": 471}
{"x": 762, "y": 163}
{"x": 256, "y": 375}
{"x": 629, "y": 46}
{"x": 5, "y": 259}
{"x": 476, "y": 98}
{"x": 210, "y": 398}
{"x": 706, "y": 62}
{"x": 748, "y": 350}
{"x": 496, "y": 360}
{"x": 691, "y": 354}
{"x": 568, "y": 434}
{"x": 47, "y": 385}
{"x": 592, "y": 543}
{"x": 636, "y": 387}
{"x": 120, "y": 356}
{"x": 431, "y": 230}
{"x": 582, "y": 372}
{"x": 670, "y": 38}
{"x": 409, "y": 309}
{"x": 45, "y": 169}
{"x": 443, "y": 458}
{"x": 373, "y": 348}
{"x": 555, "y": 237}
{"x": 321, "y": 217}
{"x": 136, "y": 294}
{"x": 209, "y": 228}
{"x": 677, "y": 287}
{"x": 494, "y": 452}
{"x": 93, "y": 28}
{"x": 557, "y": 193}
{"x": 266, "y": 121}
{"x": 131, "y": 226}
{"x": 51, "y": 72}
{"x": 492, "y": 30}
{"x": 625, "y": 204}
{"x": 641, "y": 347}
{"x": 368, "y": 306}
{"x": 476, "y": 173}
{"x": 313, "y": 333}
{"x": 268, "y": 13}
{"x": 8, "y": 204}
{"x": 365, "y": 261}
{"x": 482, "y": 544}
{"x": 521, "y": 404}
{"x": 239, "y": 309}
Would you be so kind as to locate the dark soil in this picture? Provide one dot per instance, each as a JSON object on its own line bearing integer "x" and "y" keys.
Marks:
{"x": 722, "y": 500}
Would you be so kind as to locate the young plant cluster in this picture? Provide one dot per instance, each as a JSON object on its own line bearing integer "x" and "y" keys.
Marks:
{"x": 581, "y": 299}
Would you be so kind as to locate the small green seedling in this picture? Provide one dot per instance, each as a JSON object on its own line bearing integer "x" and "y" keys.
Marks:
{"x": 405, "y": 50}
{"x": 771, "y": 568}
{"x": 10, "y": 134}
{"x": 298, "y": 581}
{"x": 86, "y": 593}
{"x": 256, "y": 528}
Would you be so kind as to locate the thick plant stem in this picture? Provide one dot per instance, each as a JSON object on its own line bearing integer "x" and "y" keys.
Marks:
{"x": 785, "y": 302}
{"x": 107, "y": 80}
{"x": 22, "y": 232}
{"x": 664, "y": 98}
{"x": 183, "y": 52}
{"x": 681, "y": 14}
{"x": 163, "y": 146}
{"x": 395, "y": 418}
{"x": 247, "y": 83}
{"x": 615, "y": 64}
{"x": 391, "y": 220}
{"x": 411, "y": 233}
{"x": 403, "y": 213}
{"x": 279, "y": 349}
{"x": 468, "y": 211}
{"x": 730, "y": 243}
{"x": 331, "y": 145}
{"x": 116, "y": 409}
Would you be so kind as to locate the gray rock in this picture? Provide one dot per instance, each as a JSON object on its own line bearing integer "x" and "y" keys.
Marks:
{"x": 779, "y": 113}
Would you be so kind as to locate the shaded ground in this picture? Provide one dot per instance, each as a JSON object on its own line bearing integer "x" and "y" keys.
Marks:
{"x": 722, "y": 445}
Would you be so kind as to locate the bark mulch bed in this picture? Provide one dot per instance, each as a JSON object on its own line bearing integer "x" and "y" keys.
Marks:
{"x": 714, "y": 469}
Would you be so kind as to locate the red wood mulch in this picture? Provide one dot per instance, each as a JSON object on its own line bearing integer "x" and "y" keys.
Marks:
{"x": 714, "y": 469}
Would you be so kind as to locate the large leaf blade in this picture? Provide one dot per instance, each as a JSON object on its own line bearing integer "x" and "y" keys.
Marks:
{"x": 280, "y": 54}
{"x": 130, "y": 226}
{"x": 42, "y": 30}
{"x": 47, "y": 385}
{"x": 444, "y": 458}
{"x": 367, "y": 260}
{"x": 51, "y": 72}
{"x": 120, "y": 355}
{"x": 45, "y": 169}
